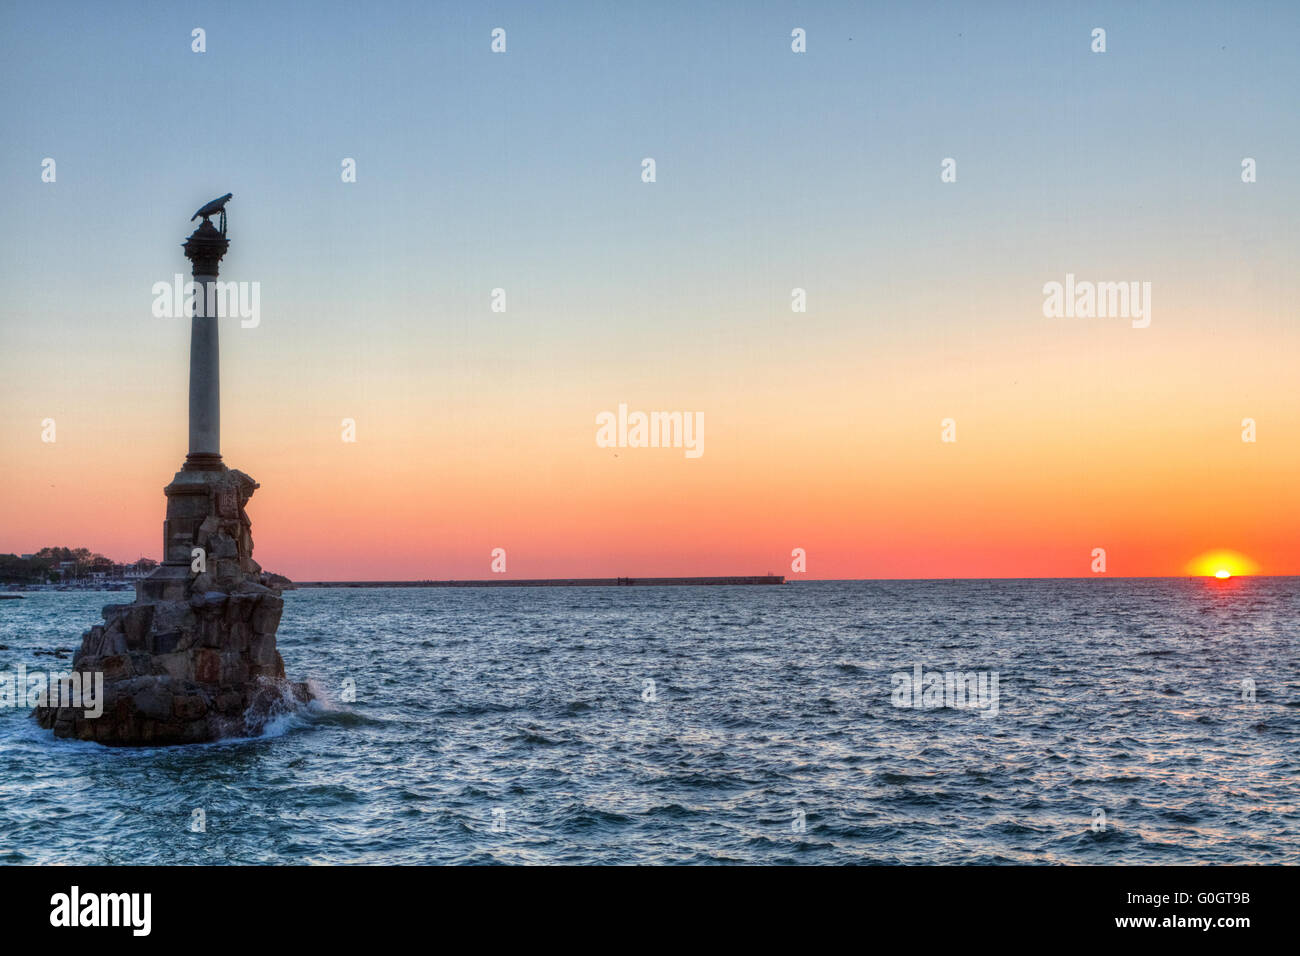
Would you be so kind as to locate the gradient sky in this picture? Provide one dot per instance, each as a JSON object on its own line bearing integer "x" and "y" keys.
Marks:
{"x": 476, "y": 429}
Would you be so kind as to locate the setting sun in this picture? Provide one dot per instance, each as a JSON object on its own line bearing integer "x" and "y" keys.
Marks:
{"x": 1221, "y": 564}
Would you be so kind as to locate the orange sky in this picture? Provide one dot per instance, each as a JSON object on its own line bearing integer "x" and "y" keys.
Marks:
{"x": 1068, "y": 438}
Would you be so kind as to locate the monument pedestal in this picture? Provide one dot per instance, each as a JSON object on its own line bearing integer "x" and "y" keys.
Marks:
{"x": 193, "y": 658}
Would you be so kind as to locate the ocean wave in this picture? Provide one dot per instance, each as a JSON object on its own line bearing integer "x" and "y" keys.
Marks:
{"x": 525, "y": 711}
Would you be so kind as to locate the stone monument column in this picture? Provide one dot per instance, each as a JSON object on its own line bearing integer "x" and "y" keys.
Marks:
{"x": 193, "y": 493}
{"x": 193, "y": 658}
{"x": 204, "y": 248}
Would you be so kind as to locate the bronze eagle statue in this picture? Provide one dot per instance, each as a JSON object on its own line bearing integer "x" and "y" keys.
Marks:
{"x": 214, "y": 207}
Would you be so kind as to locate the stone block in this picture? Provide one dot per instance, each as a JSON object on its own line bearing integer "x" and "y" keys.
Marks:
{"x": 266, "y": 619}
{"x": 238, "y": 637}
{"x": 179, "y": 666}
{"x": 212, "y": 633}
{"x": 136, "y": 620}
{"x": 207, "y": 666}
{"x": 209, "y": 602}
{"x": 234, "y": 668}
{"x": 262, "y": 650}
{"x": 114, "y": 642}
{"x": 172, "y": 616}
{"x": 228, "y": 573}
{"x": 153, "y": 701}
{"x": 111, "y": 612}
{"x": 189, "y": 707}
{"x": 115, "y": 667}
{"x": 240, "y": 607}
{"x": 221, "y": 545}
{"x": 165, "y": 643}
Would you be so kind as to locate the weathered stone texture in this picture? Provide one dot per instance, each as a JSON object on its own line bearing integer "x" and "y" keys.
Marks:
{"x": 193, "y": 658}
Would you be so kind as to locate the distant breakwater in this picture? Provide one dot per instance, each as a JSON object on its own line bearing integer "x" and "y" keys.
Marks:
{"x": 553, "y": 582}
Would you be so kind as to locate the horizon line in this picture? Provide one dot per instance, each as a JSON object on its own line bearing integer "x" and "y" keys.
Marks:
{"x": 560, "y": 581}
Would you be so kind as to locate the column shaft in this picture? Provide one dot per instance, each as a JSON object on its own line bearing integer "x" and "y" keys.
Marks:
{"x": 205, "y": 377}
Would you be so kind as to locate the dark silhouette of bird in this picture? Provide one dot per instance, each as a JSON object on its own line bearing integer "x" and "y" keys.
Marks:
{"x": 212, "y": 208}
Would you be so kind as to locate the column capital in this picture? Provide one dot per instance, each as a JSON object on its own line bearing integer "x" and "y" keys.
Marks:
{"x": 205, "y": 247}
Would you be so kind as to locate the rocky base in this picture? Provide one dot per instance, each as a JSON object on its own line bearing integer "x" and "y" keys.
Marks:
{"x": 193, "y": 658}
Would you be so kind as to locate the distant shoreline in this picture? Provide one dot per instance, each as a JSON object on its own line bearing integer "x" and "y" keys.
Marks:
{"x": 745, "y": 580}
{"x": 754, "y": 579}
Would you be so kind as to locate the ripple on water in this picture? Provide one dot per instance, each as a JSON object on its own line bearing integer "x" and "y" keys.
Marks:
{"x": 511, "y": 725}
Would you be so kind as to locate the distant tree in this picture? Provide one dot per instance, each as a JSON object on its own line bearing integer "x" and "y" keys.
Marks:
{"x": 16, "y": 570}
{"x": 44, "y": 565}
